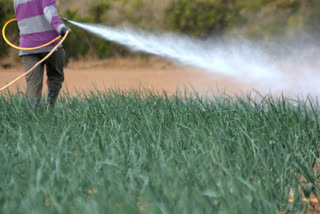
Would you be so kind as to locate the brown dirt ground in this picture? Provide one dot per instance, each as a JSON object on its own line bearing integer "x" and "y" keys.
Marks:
{"x": 126, "y": 74}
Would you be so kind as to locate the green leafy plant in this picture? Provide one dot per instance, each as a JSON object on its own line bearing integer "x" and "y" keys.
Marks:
{"x": 261, "y": 18}
{"x": 200, "y": 17}
{"x": 141, "y": 152}
{"x": 6, "y": 13}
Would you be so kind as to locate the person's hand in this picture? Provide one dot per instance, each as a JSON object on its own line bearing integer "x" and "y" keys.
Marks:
{"x": 64, "y": 30}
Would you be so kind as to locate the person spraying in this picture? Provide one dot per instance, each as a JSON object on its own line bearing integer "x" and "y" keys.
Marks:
{"x": 39, "y": 23}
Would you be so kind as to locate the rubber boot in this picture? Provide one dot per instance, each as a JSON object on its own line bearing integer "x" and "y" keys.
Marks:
{"x": 52, "y": 96}
{"x": 34, "y": 102}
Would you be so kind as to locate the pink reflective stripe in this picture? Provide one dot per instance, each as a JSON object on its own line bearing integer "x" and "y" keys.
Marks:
{"x": 46, "y": 3}
{"x": 28, "y": 9}
{"x": 37, "y": 39}
{"x": 55, "y": 22}
{"x": 37, "y": 28}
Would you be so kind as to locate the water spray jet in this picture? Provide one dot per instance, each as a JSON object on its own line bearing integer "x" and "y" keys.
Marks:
{"x": 240, "y": 59}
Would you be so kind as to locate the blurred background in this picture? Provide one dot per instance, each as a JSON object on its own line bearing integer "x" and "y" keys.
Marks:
{"x": 258, "y": 19}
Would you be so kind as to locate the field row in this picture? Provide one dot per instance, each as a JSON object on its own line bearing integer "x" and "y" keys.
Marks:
{"x": 130, "y": 152}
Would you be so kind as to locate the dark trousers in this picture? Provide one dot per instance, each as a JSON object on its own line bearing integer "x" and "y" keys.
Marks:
{"x": 55, "y": 74}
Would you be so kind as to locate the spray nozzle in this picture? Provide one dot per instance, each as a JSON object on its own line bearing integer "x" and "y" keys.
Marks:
{"x": 64, "y": 19}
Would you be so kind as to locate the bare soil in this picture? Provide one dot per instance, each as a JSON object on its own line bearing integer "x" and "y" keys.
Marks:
{"x": 126, "y": 74}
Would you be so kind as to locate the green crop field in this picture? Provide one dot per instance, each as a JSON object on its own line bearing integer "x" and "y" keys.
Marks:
{"x": 140, "y": 152}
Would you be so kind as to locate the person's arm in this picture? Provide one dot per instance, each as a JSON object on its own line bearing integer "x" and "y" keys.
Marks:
{"x": 51, "y": 13}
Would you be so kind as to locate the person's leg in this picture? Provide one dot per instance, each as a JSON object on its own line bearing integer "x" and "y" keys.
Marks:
{"x": 34, "y": 79}
{"x": 55, "y": 73}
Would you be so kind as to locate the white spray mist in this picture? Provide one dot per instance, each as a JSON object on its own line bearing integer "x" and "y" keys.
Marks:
{"x": 240, "y": 59}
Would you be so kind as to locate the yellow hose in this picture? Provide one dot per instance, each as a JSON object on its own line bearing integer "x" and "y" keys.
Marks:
{"x": 21, "y": 48}
{"x": 34, "y": 48}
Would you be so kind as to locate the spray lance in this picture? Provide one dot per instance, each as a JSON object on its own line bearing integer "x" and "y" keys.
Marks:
{"x": 33, "y": 48}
